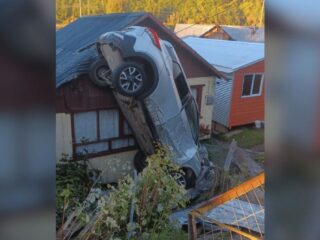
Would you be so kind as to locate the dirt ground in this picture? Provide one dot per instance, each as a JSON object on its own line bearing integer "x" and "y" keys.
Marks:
{"x": 246, "y": 162}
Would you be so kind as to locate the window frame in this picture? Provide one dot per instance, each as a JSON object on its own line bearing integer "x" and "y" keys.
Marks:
{"x": 199, "y": 89}
{"x": 108, "y": 141}
{"x": 252, "y": 84}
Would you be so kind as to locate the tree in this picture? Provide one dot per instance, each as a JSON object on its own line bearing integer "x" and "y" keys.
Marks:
{"x": 117, "y": 6}
{"x": 229, "y": 12}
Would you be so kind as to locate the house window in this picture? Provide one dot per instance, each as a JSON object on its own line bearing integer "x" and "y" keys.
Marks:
{"x": 100, "y": 132}
{"x": 196, "y": 91}
{"x": 252, "y": 85}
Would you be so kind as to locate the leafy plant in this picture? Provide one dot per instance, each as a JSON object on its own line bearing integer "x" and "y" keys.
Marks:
{"x": 72, "y": 187}
{"x": 154, "y": 194}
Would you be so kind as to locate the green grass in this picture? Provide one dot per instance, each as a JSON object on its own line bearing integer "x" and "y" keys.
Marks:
{"x": 247, "y": 138}
{"x": 260, "y": 158}
{"x": 165, "y": 234}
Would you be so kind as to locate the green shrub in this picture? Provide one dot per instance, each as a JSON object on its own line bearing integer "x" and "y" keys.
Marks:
{"x": 154, "y": 195}
{"x": 72, "y": 187}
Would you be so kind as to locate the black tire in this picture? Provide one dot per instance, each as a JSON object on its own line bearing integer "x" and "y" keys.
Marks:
{"x": 185, "y": 178}
{"x": 130, "y": 79}
{"x": 100, "y": 73}
{"x": 139, "y": 161}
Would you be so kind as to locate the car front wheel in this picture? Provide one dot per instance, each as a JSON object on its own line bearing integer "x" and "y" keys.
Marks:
{"x": 130, "y": 79}
{"x": 185, "y": 178}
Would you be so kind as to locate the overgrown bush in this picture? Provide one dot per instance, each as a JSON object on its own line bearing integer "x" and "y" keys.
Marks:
{"x": 72, "y": 187}
{"x": 154, "y": 195}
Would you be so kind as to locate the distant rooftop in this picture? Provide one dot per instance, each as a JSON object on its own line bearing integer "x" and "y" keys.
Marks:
{"x": 243, "y": 33}
{"x": 195, "y": 30}
{"x": 227, "y": 56}
{"x": 237, "y": 33}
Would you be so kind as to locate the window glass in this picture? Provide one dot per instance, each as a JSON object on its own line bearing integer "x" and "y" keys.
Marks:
{"x": 194, "y": 92}
{"x": 257, "y": 84}
{"x": 193, "y": 118}
{"x": 126, "y": 128}
{"x": 109, "y": 124}
{"x": 85, "y": 126}
{"x": 180, "y": 81}
{"x": 122, "y": 143}
{"x": 246, "y": 90}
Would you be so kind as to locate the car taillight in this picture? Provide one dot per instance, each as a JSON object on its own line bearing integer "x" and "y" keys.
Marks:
{"x": 155, "y": 38}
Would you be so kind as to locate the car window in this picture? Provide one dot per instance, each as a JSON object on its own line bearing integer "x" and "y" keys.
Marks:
{"x": 180, "y": 81}
{"x": 193, "y": 118}
{"x": 170, "y": 51}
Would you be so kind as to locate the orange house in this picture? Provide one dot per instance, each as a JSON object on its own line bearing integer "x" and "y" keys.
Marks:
{"x": 238, "y": 99}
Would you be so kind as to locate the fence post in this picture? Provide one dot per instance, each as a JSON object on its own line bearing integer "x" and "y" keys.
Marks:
{"x": 232, "y": 148}
{"x": 192, "y": 228}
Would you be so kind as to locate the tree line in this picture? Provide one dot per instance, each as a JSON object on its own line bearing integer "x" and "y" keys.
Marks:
{"x": 229, "y": 12}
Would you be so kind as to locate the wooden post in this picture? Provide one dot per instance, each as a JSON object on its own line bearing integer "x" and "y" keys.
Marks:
{"x": 232, "y": 148}
{"x": 133, "y": 112}
{"x": 192, "y": 228}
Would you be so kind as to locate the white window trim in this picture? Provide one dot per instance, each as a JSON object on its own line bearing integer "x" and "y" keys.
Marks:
{"x": 261, "y": 84}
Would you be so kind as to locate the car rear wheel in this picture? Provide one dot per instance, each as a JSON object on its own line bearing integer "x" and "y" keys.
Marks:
{"x": 130, "y": 79}
{"x": 100, "y": 73}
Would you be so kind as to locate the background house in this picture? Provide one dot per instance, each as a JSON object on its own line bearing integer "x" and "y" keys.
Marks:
{"x": 86, "y": 112}
{"x": 240, "y": 99}
{"x": 217, "y": 31}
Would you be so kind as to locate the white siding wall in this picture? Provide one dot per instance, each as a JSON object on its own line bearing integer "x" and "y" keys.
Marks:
{"x": 222, "y": 101}
{"x": 63, "y": 135}
{"x": 208, "y": 90}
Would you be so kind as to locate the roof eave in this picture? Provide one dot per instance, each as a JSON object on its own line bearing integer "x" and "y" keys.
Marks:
{"x": 248, "y": 64}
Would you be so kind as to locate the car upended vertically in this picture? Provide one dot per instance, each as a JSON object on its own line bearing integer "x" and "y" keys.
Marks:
{"x": 137, "y": 64}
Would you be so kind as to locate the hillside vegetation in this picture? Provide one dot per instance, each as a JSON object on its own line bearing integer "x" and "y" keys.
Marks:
{"x": 230, "y": 12}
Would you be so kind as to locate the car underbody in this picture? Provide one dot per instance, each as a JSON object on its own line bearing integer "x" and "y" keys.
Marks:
{"x": 145, "y": 115}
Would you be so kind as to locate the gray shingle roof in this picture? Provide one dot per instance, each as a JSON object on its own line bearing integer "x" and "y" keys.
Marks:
{"x": 195, "y": 30}
{"x": 75, "y": 49}
{"x": 242, "y": 33}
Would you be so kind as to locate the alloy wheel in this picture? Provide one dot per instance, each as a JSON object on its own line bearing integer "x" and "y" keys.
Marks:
{"x": 131, "y": 79}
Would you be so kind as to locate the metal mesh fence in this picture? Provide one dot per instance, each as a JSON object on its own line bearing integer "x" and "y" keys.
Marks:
{"x": 235, "y": 214}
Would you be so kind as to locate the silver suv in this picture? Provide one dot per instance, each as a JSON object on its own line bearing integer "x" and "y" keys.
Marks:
{"x": 144, "y": 71}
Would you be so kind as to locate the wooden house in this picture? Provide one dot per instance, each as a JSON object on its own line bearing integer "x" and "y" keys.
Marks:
{"x": 224, "y": 32}
{"x": 240, "y": 99}
{"x": 89, "y": 121}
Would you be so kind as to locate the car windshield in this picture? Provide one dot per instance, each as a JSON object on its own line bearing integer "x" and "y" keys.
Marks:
{"x": 193, "y": 118}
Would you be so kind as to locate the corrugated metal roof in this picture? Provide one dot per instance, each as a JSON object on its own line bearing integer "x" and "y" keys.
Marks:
{"x": 196, "y": 30}
{"x": 75, "y": 49}
{"x": 227, "y": 56}
{"x": 246, "y": 34}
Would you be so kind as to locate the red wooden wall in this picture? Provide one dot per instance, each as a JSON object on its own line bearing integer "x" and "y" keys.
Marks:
{"x": 82, "y": 95}
{"x": 248, "y": 109}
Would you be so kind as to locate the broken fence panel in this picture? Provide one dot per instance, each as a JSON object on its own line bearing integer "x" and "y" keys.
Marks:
{"x": 232, "y": 148}
{"x": 235, "y": 214}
